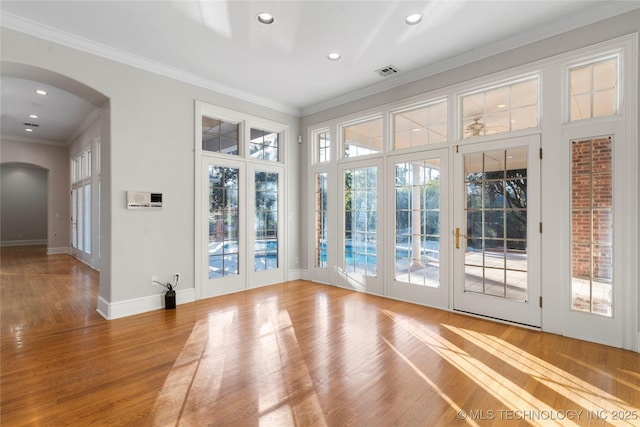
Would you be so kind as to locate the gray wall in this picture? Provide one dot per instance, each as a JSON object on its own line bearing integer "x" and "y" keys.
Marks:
{"x": 23, "y": 203}
{"x": 148, "y": 146}
{"x": 56, "y": 161}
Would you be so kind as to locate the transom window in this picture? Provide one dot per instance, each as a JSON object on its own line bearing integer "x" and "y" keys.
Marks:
{"x": 362, "y": 138}
{"x": 323, "y": 146}
{"x": 593, "y": 89}
{"x": 264, "y": 145}
{"x": 219, "y": 136}
{"x": 510, "y": 107}
{"x": 419, "y": 126}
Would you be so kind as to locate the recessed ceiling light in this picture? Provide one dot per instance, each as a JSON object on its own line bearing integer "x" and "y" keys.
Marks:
{"x": 28, "y": 130}
{"x": 41, "y": 92}
{"x": 502, "y": 105}
{"x": 413, "y": 19}
{"x": 334, "y": 56}
{"x": 33, "y": 116}
{"x": 265, "y": 18}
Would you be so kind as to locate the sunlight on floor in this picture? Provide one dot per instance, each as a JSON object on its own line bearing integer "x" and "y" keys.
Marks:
{"x": 511, "y": 396}
{"x": 577, "y": 390}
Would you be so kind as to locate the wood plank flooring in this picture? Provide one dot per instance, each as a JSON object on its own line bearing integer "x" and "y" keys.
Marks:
{"x": 295, "y": 353}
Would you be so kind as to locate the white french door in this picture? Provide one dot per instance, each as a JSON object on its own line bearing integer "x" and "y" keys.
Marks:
{"x": 418, "y": 224}
{"x": 242, "y": 216}
{"x": 496, "y": 230}
{"x": 223, "y": 251}
{"x": 359, "y": 236}
{"x": 265, "y": 219}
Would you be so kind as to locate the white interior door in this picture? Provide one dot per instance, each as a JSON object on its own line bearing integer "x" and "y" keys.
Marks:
{"x": 418, "y": 224}
{"x": 496, "y": 231}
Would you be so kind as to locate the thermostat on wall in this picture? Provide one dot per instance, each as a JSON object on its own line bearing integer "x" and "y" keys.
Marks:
{"x": 143, "y": 199}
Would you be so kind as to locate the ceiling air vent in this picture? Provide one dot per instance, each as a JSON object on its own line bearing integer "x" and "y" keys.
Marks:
{"x": 389, "y": 70}
{"x": 35, "y": 125}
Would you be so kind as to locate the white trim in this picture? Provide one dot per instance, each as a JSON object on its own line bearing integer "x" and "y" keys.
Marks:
{"x": 140, "y": 305}
{"x": 45, "y": 32}
{"x": 33, "y": 242}
{"x": 296, "y": 274}
{"x": 55, "y": 251}
{"x": 585, "y": 18}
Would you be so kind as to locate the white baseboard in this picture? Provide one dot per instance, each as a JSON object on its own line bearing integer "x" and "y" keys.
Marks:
{"x": 55, "y": 251}
{"x": 638, "y": 342}
{"x": 23, "y": 242}
{"x": 297, "y": 274}
{"x": 135, "y": 306}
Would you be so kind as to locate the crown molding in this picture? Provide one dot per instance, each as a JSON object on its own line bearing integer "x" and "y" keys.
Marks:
{"x": 45, "y": 32}
{"x": 576, "y": 21}
{"x": 27, "y": 140}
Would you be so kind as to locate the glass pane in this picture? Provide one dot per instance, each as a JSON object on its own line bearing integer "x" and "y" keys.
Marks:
{"x": 604, "y": 75}
{"x": 418, "y": 223}
{"x": 321, "y": 222}
{"x": 592, "y": 226}
{"x": 497, "y": 100}
{"x": 604, "y": 103}
{"x": 580, "y": 107}
{"x": 360, "y": 220}
{"x": 580, "y": 80}
{"x": 524, "y": 94}
{"x": 223, "y": 221}
{"x": 502, "y": 109}
{"x": 362, "y": 138}
{"x": 420, "y": 126}
{"x": 496, "y": 227}
{"x": 264, "y": 145}
{"x": 266, "y": 244}
{"x": 87, "y": 218}
{"x": 323, "y": 146}
{"x": 219, "y": 136}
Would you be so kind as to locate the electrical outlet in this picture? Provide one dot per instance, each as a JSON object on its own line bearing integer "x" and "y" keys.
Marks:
{"x": 176, "y": 278}
{"x": 153, "y": 280}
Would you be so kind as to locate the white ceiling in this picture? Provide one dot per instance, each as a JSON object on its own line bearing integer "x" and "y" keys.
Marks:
{"x": 221, "y": 46}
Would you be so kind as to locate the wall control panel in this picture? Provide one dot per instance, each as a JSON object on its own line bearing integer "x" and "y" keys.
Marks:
{"x": 143, "y": 200}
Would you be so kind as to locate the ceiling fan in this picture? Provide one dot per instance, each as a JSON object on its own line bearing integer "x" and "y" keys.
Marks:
{"x": 478, "y": 128}
{"x": 474, "y": 128}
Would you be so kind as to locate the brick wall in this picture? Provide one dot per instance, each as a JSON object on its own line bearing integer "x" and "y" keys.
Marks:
{"x": 591, "y": 202}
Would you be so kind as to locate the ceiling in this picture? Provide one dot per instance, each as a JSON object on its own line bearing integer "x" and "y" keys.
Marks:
{"x": 220, "y": 45}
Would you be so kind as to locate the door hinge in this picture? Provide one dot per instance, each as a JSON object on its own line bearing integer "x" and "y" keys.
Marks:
{"x": 541, "y": 154}
{"x": 457, "y": 149}
{"x": 541, "y": 228}
{"x": 540, "y": 302}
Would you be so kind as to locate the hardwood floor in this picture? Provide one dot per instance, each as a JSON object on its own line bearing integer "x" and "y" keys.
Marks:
{"x": 295, "y": 353}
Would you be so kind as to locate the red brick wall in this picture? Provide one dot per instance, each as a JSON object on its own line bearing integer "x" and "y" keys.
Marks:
{"x": 591, "y": 202}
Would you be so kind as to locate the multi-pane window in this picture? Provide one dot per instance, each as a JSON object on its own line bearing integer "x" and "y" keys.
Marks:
{"x": 321, "y": 220}
{"x": 420, "y": 126}
{"x": 360, "y": 220}
{"x": 323, "y": 146}
{"x": 219, "y": 136}
{"x": 362, "y": 138}
{"x": 592, "y": 225}
{"x": 593, "y": 89}
{"x": 266, "y": 221}
{"x": 264, "y": 145}
{"x": 223, "y": 221}
{"x": 417, "y": 243}
{"x": 495, "y": 260}
{"x": 503, "y": 109}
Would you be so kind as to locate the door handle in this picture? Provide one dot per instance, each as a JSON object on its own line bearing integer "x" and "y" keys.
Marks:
{"x": 458, "y": 235}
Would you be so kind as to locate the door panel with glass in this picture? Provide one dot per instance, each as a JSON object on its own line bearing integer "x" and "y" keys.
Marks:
{"x": 224, "y": 253}
{"x": 264, "y": 227}
{"x": 496, "y": 234}
{"x": 418, "y": 270}
{"x": 359, "y": 247}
